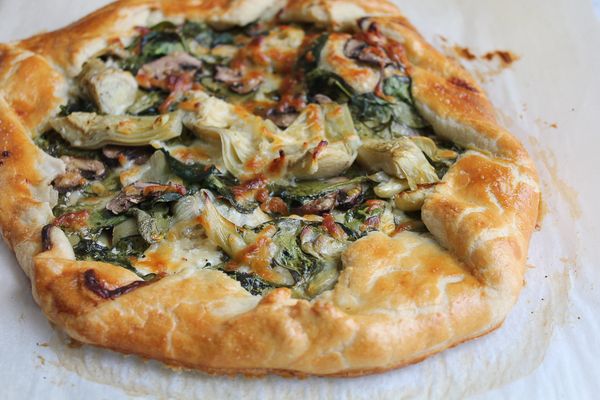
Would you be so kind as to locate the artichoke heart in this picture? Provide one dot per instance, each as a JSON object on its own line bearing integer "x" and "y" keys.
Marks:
{"x": 208, "y": 115}
{"x": 400, "y": 158}
{"x": 433, "y": 152}
{"x": 246, "y": 139}
{"x": 220, "y": 230}
{"x": 247, "y": 248}
{"x": 321, "y": 143}
{"x": 93, "y": 131}
{"x": 111, "y": 89}
{"x": 410, "y": 201}
{"x": 156, "y": 170}
{"x": 246, "y": 152}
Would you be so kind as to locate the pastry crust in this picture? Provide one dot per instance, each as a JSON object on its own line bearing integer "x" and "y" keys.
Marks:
{"x": 398, "y": 300}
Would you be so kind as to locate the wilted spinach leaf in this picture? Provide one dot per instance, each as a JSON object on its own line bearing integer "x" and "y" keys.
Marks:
{"x": 309, "y": 190}
{"x": 385, "y": 117}
{"x": 223, "y": 185}
{"x": 289, "y": 255}
{"x": 209, "y": 177}
{"x": 252, "y": 283}
{"x": 363, "y": 219}
{"x": 104, "y": 219}
{"x": 223, "y": 38}
{"x": 121, "y": 254}
{"x": 163, "y": 39}
{"x": 199, "y": 32}
{"x": 205, "y": 35}
{"x": 53, "y": 144}
{"x": 147, "y": 104}
{"x": 310, "y": 59}
{"x": 399, "y": 87}
{"x": 191, "y": 173}
{"x": 325, "y": 82}
{"x": 77, "y": 105}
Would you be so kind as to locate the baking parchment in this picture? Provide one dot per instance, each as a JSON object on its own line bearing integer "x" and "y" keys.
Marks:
{"x": 549, "y": 346}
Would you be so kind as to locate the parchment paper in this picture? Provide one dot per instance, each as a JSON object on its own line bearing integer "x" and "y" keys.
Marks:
{"x": 549, "y": 346}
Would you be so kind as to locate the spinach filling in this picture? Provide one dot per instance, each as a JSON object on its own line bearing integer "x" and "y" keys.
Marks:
{"x": 373, "y": 115}
{"x": 112, "y": 219}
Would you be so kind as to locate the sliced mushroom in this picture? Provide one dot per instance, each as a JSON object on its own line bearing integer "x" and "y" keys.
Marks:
{"x": 238, "y": 82}
{"x": 78, "y": 171}
{"x": 350, "y": 196}
{"x": 248, "y": 84}
{"x": 342, "y": 199}
{"x": 170, "y": 64}
{"x": 138, "y": 155}
{"x": 319, "y": 205}
{"x": 354, "y": 47}
{"x": 366, "y": 53}
{"x": 69, "y": 180}
{"x": 94, "y": 284}
{"x": 111, "y": 89}
{"x": 366, "y": 24}
{"x": 127, "y": 198}
{"x": 323, "y": 196}
{"x": 283, "y": 120}
{"x": 90, "y": 169}
{"x": 361, "y": 77}
{"x": 322, "y": 99}
{"x": 93, "y": 131}
{"x": 137, "y": 193}
{"x": 227, "y": 75}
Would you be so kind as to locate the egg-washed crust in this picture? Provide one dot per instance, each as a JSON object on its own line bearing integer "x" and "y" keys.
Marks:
{"x": 398, "y": 300}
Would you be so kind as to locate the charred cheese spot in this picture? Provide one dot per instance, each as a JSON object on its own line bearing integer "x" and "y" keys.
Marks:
{"x": 461, "y": 83}
{"x": 281, "y": 47}
{"x": 258, "y": 256}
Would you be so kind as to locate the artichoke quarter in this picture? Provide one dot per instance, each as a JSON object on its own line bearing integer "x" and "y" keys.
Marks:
{"x": 93, "y": 131}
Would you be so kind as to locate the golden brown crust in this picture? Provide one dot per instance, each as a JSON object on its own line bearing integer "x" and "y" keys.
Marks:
{"x": 336, "y": 13}
{"x": 398, "y": 300}
{"x": 29, "y": 92}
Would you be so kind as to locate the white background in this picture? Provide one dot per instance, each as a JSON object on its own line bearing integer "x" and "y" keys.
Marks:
{"x": 549, "y": 347}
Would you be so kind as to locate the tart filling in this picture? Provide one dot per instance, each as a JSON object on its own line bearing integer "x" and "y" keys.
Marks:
{"x": 262, "y": 152}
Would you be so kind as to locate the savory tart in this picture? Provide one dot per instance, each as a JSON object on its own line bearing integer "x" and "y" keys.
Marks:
{"x": 243, "y": 186}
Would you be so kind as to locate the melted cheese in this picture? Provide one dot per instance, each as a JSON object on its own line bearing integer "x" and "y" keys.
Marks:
{"x": 361, "y": 78}
{"x": 281, "y": 47}
{"x": 252, "y": 145}
{"x": 245, "y": 138}
{"x": 185, "y": 246}
{"x": 254, "y": 219}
